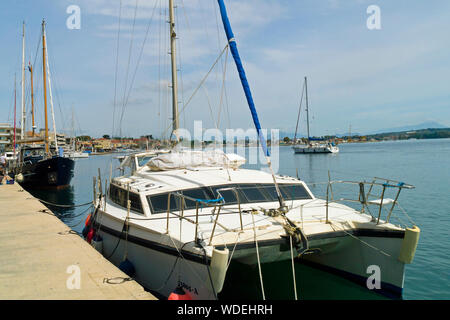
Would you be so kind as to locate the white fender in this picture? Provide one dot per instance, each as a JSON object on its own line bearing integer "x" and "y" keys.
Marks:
{"x": 19, "y": 177}
{"x": 219, "y": 262}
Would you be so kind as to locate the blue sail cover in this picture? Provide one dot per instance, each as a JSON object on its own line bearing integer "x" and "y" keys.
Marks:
{"x": 242, "y": 76}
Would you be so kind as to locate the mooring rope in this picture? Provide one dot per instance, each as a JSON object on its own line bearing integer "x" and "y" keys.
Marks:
{"x": 64, "y": 205}
{"x": 293, "y": 268}
{"x": 259, "y": 261}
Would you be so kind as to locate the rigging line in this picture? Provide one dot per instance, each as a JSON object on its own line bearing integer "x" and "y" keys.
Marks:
{"x": 159, "y": 69}
{"x": 299, "y": 109}
{"x": 210, "y": 108}
{"x": 180, "y": 68}
{"x": 367, "y": 244}
{"x": 140, "y": 56}
{"x": 185, "y": 16}
{"x": 224, "y": 71}
{"x": 128, "y": 67}
{"x": 201, "y": 83}
{"x": 222, "y": 63}
{"x": 234, "y": 248}
{"x": 56, "y": 87}
{"x": 179, "y": 57}
{"x": 166, "y": 68}
{"x": 227, "y": 109}
{"x": 404, "y": 212}
{"x": 116, "y": 70}
{"x": 217, "y": 27}
{"x": 164, "y": 54}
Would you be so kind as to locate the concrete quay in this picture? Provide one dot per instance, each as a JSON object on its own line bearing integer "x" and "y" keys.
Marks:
{"x": 41, "y": 259}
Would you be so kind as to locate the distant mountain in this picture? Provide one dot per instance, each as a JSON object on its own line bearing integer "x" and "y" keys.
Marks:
{"x": 420, "y": 126}
{"x": 423, "y": 125}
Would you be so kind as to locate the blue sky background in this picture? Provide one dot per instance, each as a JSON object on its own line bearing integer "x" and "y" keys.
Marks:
{"x": 371, "y": 79}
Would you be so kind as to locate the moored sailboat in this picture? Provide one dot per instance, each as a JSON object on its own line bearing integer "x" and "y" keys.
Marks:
{"x": 311, "y": 145}
{"x": 177, "y": 222}
{"x": 42, "y": 165}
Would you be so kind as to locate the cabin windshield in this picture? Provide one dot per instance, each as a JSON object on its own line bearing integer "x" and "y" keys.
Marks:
{"x": 121, "y": 196}
{"x": 230, "y": 194}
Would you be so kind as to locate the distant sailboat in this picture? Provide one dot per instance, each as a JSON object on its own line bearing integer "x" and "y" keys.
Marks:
{"x": 72, "y": 152}
{"x": 312, "y": 145}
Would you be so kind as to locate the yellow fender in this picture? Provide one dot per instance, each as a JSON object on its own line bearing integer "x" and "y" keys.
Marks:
{"x": 409, "y": 245}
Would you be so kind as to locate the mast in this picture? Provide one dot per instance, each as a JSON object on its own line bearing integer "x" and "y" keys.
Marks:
{"x": 22, "y": 133}
{"x": 45, "y": 85}
{"x": 51, "y": 98}
{"x": 14, "y": 139}
{"x": 73, "y": 132}
{"x": 173, "y": 35}
{"x": 30, "y": 68}
{"x": 307, "y": 107}
{"x": 246, "y": 87}
{"x": 298, "y": 116}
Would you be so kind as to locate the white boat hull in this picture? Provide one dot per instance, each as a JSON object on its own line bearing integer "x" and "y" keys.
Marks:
{"x": 160, "y": 272}
{"x": 158, "y": 265}
{"x": 77, "y": 155}
{"x": 315, "y": 149}
{"x": 356, "y": 260}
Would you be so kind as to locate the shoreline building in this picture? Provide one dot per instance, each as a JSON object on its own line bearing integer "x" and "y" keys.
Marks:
{"x": 7, "y": 136}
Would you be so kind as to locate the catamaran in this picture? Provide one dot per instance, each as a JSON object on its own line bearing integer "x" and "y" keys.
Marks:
{"x": 177, "y": 222}
{"x": 311, "y": 145}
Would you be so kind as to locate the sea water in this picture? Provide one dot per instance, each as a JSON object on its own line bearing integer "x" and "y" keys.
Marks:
{"x": 422, "y": 163}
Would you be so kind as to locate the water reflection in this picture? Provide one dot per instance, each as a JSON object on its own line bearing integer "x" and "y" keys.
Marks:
{"x": 64, "y": 206}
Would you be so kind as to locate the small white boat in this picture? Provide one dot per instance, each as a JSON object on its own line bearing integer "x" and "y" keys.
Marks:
{"x": 10, "y": 156}
{"x": 316, "y": 148}
{"x": 76, "y": 154}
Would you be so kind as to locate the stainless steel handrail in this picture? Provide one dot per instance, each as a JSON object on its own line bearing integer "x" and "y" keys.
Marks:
{"x": 363, "y": 198}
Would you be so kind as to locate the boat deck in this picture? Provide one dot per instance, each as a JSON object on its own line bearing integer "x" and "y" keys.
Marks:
{"x": 37, "y": 248}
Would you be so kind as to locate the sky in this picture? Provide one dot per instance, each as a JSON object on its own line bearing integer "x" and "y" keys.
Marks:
{"x": 112, "y": 75}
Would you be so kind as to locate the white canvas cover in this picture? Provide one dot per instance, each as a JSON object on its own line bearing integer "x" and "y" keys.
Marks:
{"x": 193, "y": 159}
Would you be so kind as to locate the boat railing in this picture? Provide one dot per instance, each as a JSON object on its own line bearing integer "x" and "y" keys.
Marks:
{"x": 216, "y": 204}
{"x": 369, "y": 198}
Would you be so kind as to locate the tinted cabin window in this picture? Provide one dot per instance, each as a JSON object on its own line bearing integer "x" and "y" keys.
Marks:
{"x": 229, "y": 195}
{"x": 253, "y": 193}
{"x": 294, "y": 192}
{"x": 119, "y": 196}
{"x": 200, "y": 194}
{"x": 248, "y": 193}
{"x": 269, "y": 191}
{"x": 159, "y": 202}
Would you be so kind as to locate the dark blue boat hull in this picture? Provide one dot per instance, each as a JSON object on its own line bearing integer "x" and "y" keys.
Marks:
{"x": 55, "y": 172}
